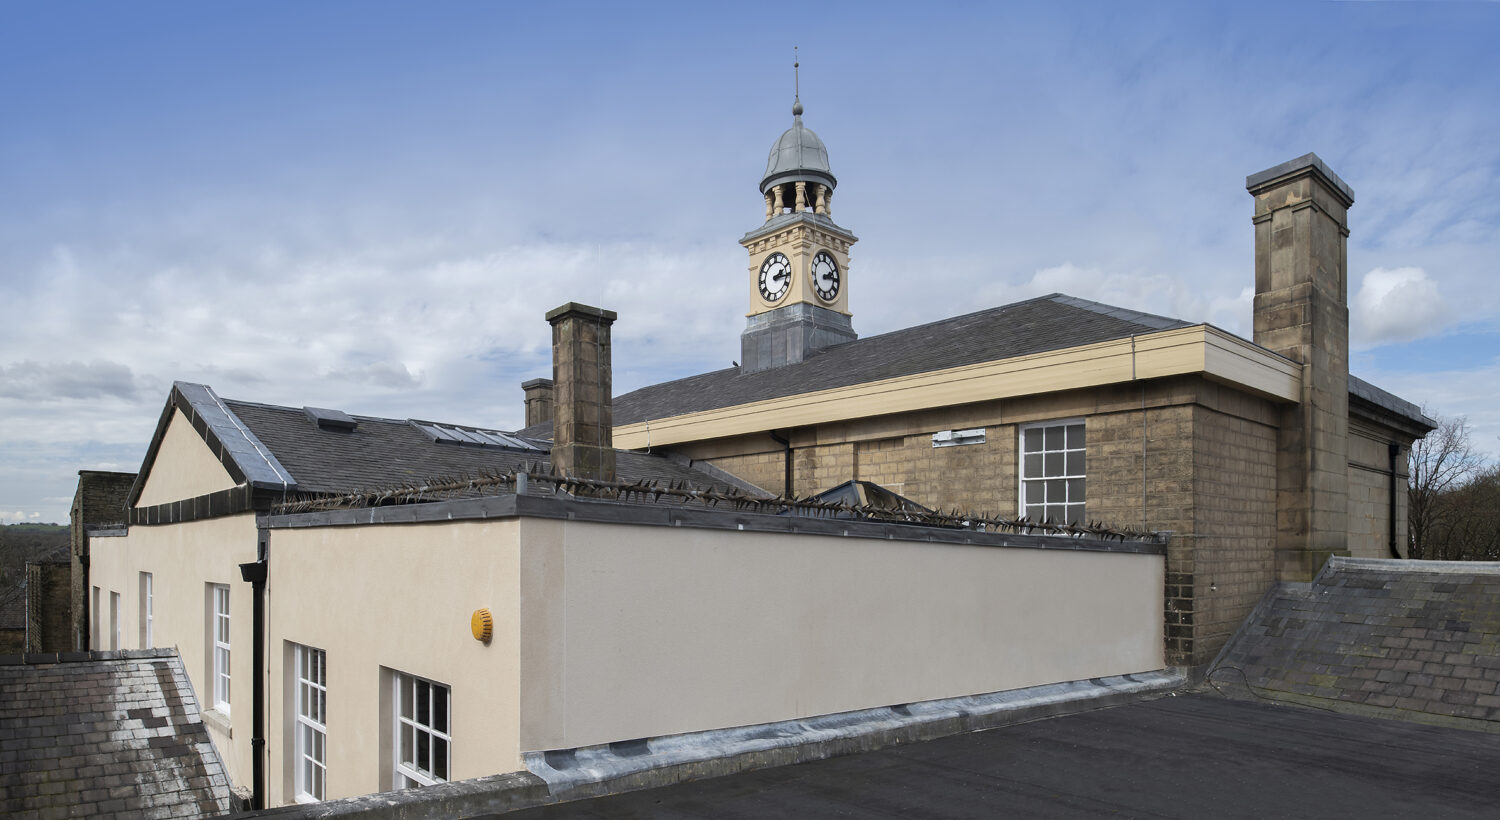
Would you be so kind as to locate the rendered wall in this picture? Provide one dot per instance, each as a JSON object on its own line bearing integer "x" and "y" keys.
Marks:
{"x": 183, "y": 559}
{"x": 397, "y": 597}
{"x": 1182, "y": 454}
{"x": 633, "y": 631}
{"x": 184, "y": 467}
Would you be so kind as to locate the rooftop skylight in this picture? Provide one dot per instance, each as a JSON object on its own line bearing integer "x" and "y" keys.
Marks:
{"x": 454, "y": 434}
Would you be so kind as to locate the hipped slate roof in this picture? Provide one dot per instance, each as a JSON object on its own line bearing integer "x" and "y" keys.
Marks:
{"x": 1034, "y": 326}
{"x": 1046, "y": 323}
{"x": 1415, "y": 639}
{"x": 105, "y": 734}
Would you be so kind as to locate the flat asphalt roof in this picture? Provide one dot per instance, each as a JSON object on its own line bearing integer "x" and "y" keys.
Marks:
{"x": 1196, "y": 755}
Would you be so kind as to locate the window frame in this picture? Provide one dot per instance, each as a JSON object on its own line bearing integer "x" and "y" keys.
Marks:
{"x": 148, "y": 610}
{"x": 403, "y": 775}
{"x": 115, "y": 629}
{"x": 96, "y": 621}
{"x": 1067, "y": 476}
{"x": 219, "y": 664}
{"x": 310, "y": 730}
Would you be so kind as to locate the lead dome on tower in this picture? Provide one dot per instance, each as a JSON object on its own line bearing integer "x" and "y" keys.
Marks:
{"x": 798, "y": 156}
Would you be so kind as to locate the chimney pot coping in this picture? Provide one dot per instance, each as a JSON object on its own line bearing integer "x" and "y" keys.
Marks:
{"x": 582, "y": 311}
{"x": 527, "y": 385}
{"x": 1255, "y": 182}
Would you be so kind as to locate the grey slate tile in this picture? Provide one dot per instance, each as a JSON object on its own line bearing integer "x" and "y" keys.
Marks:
{"x": 1410, "y": 635}
{"x": 107, "y": 768}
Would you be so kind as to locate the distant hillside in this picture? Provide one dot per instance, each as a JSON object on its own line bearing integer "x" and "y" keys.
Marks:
{"x": 20, "y": 543}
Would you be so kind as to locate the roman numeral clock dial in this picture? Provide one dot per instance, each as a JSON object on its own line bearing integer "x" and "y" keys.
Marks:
{"x": 775, "y": 277}
{"x": 825, "y": 276}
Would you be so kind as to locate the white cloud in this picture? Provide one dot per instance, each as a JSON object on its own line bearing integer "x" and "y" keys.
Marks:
{"x": 1161, "y": 294}
{"x": 18, "y": 516}
{"x": 57, "y": 381}
{"x": 1396, "y": 305}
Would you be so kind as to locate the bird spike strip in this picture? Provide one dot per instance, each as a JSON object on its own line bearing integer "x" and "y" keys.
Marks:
{"x": 656, "y": 492}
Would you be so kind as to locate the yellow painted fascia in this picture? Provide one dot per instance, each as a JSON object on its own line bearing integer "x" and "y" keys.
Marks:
{"x": 1200, "y": 349}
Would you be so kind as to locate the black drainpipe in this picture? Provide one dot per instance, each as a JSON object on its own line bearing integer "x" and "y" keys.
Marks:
{"x": 1395, "y": 451}
{"x": 255, "y": 574}
{"x": 786, "y": 443}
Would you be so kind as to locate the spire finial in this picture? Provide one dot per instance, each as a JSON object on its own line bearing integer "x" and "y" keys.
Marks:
{"x": 796, "y": 84}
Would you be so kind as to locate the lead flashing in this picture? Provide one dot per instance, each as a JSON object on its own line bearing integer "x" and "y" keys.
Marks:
{"x": 569, "y": 508}
{"x": 1307, "y": 163}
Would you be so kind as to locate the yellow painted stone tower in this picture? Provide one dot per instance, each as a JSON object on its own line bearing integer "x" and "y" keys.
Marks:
{"x": 799, "y": 258}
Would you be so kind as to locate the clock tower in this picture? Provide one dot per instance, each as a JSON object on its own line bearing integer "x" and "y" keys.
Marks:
{"x": 799, "y": 259}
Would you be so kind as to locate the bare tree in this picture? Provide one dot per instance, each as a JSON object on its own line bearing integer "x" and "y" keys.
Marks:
{"x": 1440, "y": 464}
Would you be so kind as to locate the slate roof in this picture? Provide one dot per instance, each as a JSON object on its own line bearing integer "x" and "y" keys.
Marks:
{"x": 1406, "y": 413}
{"x": 1037, "y": 325}
{"x": 1413, "y": 639}
{"x": 1053, "y": 322}
{"x": 105, "y": 734}
{"x": 385, "y": 452}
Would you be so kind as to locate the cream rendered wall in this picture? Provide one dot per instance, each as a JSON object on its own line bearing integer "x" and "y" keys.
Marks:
{"x": 184, "y": 467}
{"x": 400, "y": 597}
{"x": 182, "y": 559}
{"x": 633, "y": 631}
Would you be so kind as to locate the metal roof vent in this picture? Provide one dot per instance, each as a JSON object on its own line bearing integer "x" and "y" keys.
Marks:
{"x": 331, "y": 419}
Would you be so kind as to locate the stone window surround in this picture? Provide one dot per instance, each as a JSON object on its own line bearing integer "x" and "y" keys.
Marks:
{"x": 1068, "y": 475}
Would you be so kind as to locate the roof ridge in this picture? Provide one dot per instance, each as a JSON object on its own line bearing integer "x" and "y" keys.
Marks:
{"x": 812, "y": 355}
{"x": 1140, "y": 317}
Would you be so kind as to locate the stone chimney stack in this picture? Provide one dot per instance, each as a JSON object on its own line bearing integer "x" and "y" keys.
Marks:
{"x": 538, "y": 401}
{"x": 1302, "y": 312}
{"x": 582, "y": 420}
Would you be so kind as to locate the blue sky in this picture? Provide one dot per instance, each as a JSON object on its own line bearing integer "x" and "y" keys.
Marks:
{"x": 370, "y": 206}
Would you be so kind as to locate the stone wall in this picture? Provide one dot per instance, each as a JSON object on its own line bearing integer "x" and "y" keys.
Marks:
{"x": 100, "y": 499}
{"x": 1181, "y": 454}
{"x": 49, "y": 611}
{"x": 1370, "y": 493}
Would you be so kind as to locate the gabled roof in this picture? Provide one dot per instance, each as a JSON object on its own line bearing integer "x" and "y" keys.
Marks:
{"x": 246, "y": 459}
{"x": 382, "y": 452}
{"x": 280, "y": 451}
{"x": 1036, "y": 325}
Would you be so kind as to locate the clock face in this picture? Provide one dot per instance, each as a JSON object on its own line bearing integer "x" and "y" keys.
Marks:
{"x": 775, "y": 277}
{"x": 825, "y": 276}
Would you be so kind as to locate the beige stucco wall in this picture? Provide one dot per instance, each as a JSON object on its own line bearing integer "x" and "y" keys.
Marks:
{"x": 183, "y": 559}
{"x": 397, "y": 597}
{"x": 632, "y": 631}
{"x": 1183, "y": 454}
{"x": 184, "y": 467}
